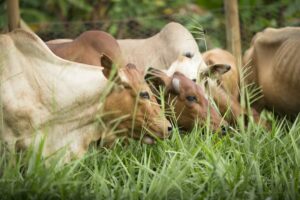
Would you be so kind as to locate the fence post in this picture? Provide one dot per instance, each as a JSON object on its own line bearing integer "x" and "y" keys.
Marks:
{"x": 13, "y": 12}
{"x": 233, "y": 37}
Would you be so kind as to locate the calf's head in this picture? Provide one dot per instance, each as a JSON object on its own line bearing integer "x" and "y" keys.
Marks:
{"x": 191, "y": 104}
{"x": 133, "y": 99}
{"x": 188, "y": 64}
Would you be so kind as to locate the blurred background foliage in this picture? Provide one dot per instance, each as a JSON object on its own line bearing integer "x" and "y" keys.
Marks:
{"x": 142, "y": 18}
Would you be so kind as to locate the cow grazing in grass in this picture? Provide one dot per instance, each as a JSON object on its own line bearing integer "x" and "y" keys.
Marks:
{"x": 222, "y": 83}
{"x": 44, "y": 96}
{"x": 88, "y": 48}
{"x": 274, "y": 62}
{"x": 187, "y": 99}
{"x": 223, "y": 68}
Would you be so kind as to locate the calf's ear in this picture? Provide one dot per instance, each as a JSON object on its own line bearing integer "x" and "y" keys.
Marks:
{"x": 156, "y": 78}
{"x": 176, "y": 85}
{"x": 215, "y": 71}
{"x": 109, "y": 70}
{"x": 129, "y": 75}
{"x": 123, "y": 78}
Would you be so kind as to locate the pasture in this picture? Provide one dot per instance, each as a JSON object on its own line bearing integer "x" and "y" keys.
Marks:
{"x": 249, "y": 161}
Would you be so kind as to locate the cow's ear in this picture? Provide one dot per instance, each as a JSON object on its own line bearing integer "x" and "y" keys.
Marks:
{"x": 129, "y": 76}
{"x": 156, "y": 78}
{"x": 176, "y": 85}
{"x": 109, "y": 70}
{"x": 215, "y": 71}
{"x": 123, "y": 78}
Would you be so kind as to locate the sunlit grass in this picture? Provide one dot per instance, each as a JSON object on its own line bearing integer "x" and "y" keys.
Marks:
{"x": 245, "y": 164}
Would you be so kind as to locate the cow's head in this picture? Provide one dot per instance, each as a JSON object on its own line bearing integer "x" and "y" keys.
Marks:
{"x": 193, "y": 67}
{"x": 132, "y": 99}
{"x": 189, "y": 64}
{"x": 214, "y": 72}
{"x": 190, "y": 102}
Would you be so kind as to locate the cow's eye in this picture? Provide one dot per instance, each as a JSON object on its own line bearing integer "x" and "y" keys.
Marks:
{"x": 144, "y": 95}
{"x": 191, "y": 98}
{"x": 188, "y": 55}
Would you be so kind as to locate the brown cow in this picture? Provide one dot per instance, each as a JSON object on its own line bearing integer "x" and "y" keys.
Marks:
{"x": 88, "y": 49}
{"x": 135, "y": 100}
{"x": 190, "y": 102}
{"x": 229, "y": 80}
{"x": 94, "y": 48}
{"x": 226, "y": 92}
{"x": 221, "y": 82}
{"x": 274, "y": 63}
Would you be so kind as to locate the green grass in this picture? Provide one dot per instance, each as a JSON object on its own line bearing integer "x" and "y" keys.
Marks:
{"x": 245, "y": 164}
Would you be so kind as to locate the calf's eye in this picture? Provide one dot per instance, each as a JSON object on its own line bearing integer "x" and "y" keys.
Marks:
{"x": 188, "y": 55}
{"x": 191, "y": 98}
{"x": 144, "y": 95}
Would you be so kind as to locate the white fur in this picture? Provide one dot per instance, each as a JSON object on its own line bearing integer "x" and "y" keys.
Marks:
{"x": 176, "y": 84}
{"x": 164, "y": 50}
{"x": 44, "y": 96}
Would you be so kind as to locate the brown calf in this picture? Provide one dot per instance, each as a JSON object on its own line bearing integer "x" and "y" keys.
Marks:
{"x": 229, "y": 80}
{"x": 190, "y": 105}
{"x": 224, "y": 88}
{"x": 130, "y": 97}
{"x": 135, "y": 100}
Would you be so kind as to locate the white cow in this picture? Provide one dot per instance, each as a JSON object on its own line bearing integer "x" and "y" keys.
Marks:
{"x": 173, "y": 46}
{"x": 46, "y": 97}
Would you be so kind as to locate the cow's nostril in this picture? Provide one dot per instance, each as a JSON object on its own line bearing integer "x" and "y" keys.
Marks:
{"x": 170, "y": 128}
{"x": 223, "y": 130}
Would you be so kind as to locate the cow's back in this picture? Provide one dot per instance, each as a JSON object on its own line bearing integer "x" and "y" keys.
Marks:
{"x": 274, "y": 60}
{"x": 162, "y": 49}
